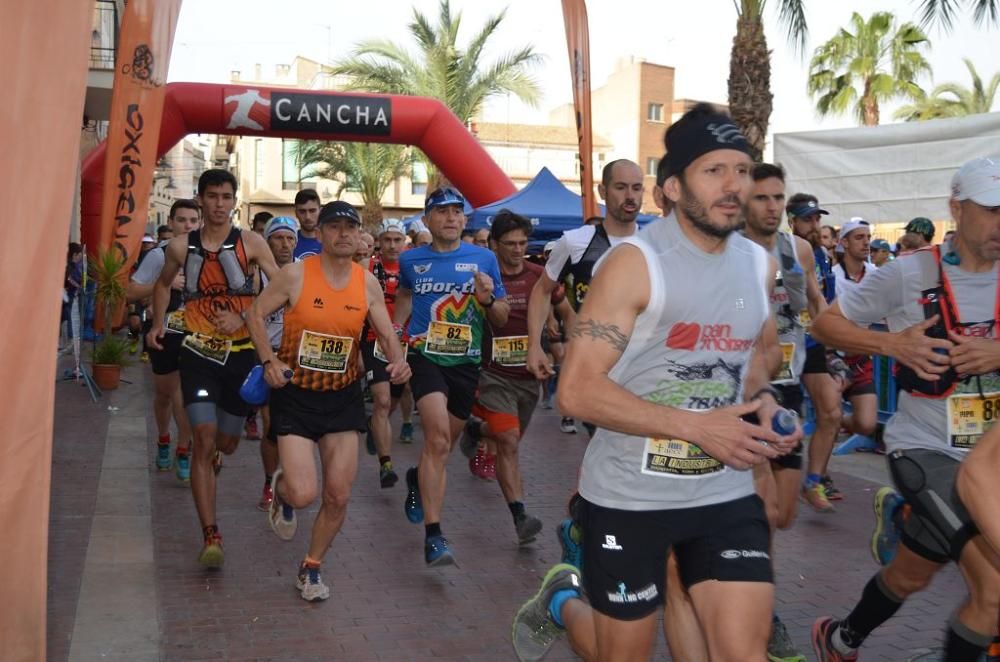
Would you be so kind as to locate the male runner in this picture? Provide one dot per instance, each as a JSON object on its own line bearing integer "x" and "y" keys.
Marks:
{"x": 307, "y": 214}
{"x": 881, "y": 252}
{"x": 260, "y": 220}
{"x": 481, "y": 238}
{"x": 855, "y": 238}
{"x": 676, "y": 337}
{"x": 327, "y": 299}
{"x": 919, "y": 233}
{"x": 823, "y": 387}
{"x": 281, "y": 234}
{"x": 216, "y": 355}
{"x": 942, "y": 307}
{"x": 185, "y": 216}
{"x": 385, "y": 396}
{"x": 508, "y": 392}
{"x": 452, "y": 289}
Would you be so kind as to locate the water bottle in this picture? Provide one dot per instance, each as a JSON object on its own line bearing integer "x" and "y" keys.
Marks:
{"x": 784, "y": 422}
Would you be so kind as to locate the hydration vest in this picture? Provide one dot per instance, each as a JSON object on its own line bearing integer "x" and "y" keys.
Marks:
{"x": 577, "y": 275}
{"x": 793, "y": 278}
{"x": 239, "y": 278}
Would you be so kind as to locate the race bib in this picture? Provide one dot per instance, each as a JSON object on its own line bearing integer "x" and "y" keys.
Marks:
{"x": 785, "y": 374}
{"x": 448, "y": 339}
{"x": 323, "y": 353}
{"x": 175, "y": 322}
{"x": 213, "y": 349}
{"x": 511, "y": 351}
{"x": 805, "y": 319}
{"x": 969, "y": 417}
{"x": 380, "y": 355}
{"x": 677, "y": 459}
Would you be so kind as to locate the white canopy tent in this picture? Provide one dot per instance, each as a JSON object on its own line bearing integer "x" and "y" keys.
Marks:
{"x": 885, "y": 174}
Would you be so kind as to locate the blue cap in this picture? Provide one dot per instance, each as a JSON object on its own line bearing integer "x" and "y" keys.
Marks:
{"x": 808, "y": 209}
{"x": 442, "y": 197}
{"x": 879, "y": 245}
{"x": 255, "y": 388}
{"x": 279, "y": 224}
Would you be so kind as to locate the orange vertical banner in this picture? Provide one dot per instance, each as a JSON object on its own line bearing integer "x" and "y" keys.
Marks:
{"x": 578, "y": 41}
{"x": 144, "y": 46}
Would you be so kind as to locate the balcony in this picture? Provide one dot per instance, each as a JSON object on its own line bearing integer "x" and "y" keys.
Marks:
{"x": 103, "y": 49}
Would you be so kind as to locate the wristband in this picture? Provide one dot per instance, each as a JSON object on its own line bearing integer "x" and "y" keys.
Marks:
{"x": 489, "y": 304}
{"x": 767, "y": 389}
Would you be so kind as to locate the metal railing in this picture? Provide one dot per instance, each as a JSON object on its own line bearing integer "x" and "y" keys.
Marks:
{"x": 104, "y": 35}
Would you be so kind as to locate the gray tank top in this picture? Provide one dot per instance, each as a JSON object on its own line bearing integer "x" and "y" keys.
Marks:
{"x": 787, "y": 301}
{"x": 690, "y": 349}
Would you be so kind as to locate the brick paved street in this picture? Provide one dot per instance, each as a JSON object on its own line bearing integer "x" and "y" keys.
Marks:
{"x": 385, "y": 604}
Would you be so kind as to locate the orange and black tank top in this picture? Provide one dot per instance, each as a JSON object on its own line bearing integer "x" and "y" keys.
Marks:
{"x": 323, "y": 329}
{"x": 216, "y": 281}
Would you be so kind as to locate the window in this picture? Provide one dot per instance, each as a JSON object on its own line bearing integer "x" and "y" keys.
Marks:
{"x": 290, "y": 172}
{"x": 654, "y": 112}
{"x": 651, "y": 164}
{"x": 418, "y": 178}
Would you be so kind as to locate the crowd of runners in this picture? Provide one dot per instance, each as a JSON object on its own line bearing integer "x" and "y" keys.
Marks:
{"x": 679, "y": 347}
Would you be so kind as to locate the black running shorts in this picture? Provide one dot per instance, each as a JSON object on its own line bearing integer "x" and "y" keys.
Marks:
{"x": 203, "y": 380}
{"x": 167, "y": 360}
{"x": 626, "y": 551}
{"x": 458, "y": 383}
{"x": 790, "y": 398}
{"x": 815, "y": 361}
{"x": 375, "y": 369}
{"x": 313, "y": 414}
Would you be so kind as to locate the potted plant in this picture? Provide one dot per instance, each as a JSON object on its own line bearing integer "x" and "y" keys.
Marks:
{"x": 111, "y": 353}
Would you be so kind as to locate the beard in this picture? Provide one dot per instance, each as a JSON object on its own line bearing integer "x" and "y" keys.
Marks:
{"x": 696, "y": 212}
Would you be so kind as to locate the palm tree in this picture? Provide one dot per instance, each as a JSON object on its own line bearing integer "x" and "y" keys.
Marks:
{"x": 875, "y": 62}
{"x": 983, "y": 11}
{"x": 953, "y": 100}
{"x": 368, "y": 168}
{"x": 443, "y": 70}
{"x": 750, "y": 97}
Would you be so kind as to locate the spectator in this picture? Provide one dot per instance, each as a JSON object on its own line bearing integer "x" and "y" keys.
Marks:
{"x": 71, "y": 284}
{"x": 919, "y": 233}
{"x": 880, "y": 252}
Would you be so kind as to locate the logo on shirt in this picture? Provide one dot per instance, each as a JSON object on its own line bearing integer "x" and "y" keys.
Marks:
{"x": 733, "y": 554}
{"x": 690, "y": 336}
{"x": 624, "y": 596}
{"x": 422, "y": 268}
{"x": 317, "y": 303}
{"x": 466, "y": 266}
{"x": 611, "y": 543}
{"x": 349, "y": 307}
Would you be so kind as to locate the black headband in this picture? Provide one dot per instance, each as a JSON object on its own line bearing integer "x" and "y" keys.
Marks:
{"x": 697, "y": 136}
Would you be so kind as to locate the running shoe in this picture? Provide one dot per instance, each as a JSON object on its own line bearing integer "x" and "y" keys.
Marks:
{"x": 386, "y": 476}
{"x": 413, "y": 506}
{"x": 527, "y": 527}
{"x": 885, "y": 537}
{"x": 280, "y": 515}
{"x": 250, "y": 428}
{"x": 437, "y": 553}
{"x": 144, "y": 357}
{"x": 572, "y": 551}
{"x": 183, "y": 467}
{"x": 815, "y": 496}
{"x": 567, "y": 425}
{"x": 212, "y": 554}
{"x": 310, "y": 583}
{"x": 476, "y": 463}
{"x": 825, "y": 652}
{"x": 534, "y": 629}
{"x": 406, "y": 433}
{"x": 471, "y": 436}
{"x": 266, "y": 497}
{"x": 780, "y": 647}
{"x": 547, "y": 402}
{"x": 163, "y": 460}
{"x": 369, "y": 438}
{"x": 489, "y": 470}
{"x": 217, "y": 462}
{"x": 832, "y": 493}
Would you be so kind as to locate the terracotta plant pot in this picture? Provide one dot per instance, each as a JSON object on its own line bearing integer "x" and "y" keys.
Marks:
{"x": 107, "y": 376}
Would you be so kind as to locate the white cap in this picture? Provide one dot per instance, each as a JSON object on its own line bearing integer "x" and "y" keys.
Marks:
{"x": 417, "y": 226}
{"x": 148, "y": 239}
{"x": 391, "y": 225}
{"x": 852, "y": 225}
{"x": 978, "y": 180}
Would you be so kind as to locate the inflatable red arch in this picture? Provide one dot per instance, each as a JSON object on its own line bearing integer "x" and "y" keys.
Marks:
{"x": 248, "y": 110}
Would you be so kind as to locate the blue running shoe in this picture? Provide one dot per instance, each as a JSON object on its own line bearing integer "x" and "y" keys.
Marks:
{"x": 436, "y": 552}
{"x": 413, "y": 506}
{"x": 572, "y": 551}
{"x": 163, "y": 462}
{"x": 885, "y": 537}
{"x": 183, "y": 467}
{"x": 406, "y": 433}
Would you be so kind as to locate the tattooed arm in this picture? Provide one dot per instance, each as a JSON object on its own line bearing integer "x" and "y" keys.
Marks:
{"x": 617, "y": 295}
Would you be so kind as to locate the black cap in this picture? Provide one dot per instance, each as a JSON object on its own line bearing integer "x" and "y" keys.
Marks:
{"x": 701, "y": 130}
{"x": 922, "y": 226}
{"x": 338, "y": 209}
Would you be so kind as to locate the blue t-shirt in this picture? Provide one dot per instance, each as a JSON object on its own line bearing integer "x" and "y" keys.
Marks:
{"x": 447, "y": 323}
{"x": 306, "y": 246}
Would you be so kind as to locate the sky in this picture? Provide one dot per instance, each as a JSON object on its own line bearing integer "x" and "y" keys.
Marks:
{"x": 215, "y": 37}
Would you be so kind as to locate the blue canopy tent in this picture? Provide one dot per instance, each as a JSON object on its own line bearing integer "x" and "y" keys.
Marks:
{"x": 552, "y": 208}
